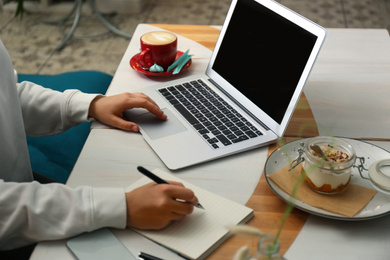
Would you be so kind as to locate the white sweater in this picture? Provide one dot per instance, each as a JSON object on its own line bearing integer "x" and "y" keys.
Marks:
{"x": 29, "y": 211}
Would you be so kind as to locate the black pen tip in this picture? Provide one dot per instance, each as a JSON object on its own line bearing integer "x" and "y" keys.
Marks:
{"x": 199, "y": 206}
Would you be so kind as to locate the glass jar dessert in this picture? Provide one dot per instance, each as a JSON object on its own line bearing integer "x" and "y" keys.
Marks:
{"x": 327, "y": 164}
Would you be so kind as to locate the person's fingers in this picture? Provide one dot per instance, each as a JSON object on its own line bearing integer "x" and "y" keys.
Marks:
{"x": 181, "y": 194}
{"x": 182, "y": 208}
{"x": 154, "y": 206}
{"x": 110, "y": 109}
{"x": 175, "y": 183}
{"x": 124, "y": 124}
{"x": 141, "y": 100}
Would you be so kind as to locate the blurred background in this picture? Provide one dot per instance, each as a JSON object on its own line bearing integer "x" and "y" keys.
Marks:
{"x": 32, "y": 43}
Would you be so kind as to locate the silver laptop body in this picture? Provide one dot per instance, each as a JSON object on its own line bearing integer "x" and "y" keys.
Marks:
{"x": 259, "y": 66}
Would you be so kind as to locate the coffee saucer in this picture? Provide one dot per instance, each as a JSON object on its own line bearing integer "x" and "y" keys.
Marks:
{"x": 136, "y": 65}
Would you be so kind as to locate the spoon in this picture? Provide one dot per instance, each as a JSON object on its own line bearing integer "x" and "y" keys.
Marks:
{"x": 144, "y": 68}
{"x": 318, "y": 151}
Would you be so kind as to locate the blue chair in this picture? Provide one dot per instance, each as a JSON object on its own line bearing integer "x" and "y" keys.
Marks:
{"x": 55, "y": 156}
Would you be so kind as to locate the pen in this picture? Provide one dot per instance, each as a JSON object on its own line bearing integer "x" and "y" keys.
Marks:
{"x": 145, "y": 256}
{"x": 157, "y": 179}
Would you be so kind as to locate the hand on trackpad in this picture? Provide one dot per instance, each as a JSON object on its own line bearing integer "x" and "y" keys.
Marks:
{"x": 156, "y": 128}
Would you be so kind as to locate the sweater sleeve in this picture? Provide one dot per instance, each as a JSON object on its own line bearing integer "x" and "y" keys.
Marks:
{"x": 49, "y": 112}
{"x": 32, "y": 212}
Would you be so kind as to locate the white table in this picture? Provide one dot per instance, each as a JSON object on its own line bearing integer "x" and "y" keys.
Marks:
{"x": 352, "y": 71}
{"x": 348, "y": 88}
{"x": 110, "y": 156}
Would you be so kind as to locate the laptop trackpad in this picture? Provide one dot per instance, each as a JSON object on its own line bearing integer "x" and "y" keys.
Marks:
{"x": 156, "y": 128}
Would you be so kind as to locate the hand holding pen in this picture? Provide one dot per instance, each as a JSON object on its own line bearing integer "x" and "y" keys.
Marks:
{"x": 158, "y": 180}
{"x": 154, "y": 206}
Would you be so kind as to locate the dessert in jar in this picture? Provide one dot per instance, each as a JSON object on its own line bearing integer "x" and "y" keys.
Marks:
{"x": 331, "y": 174}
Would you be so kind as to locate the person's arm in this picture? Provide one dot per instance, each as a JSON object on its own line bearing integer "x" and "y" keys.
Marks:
{"x": 32, "y": 212}
{"x": 47, "y": 112}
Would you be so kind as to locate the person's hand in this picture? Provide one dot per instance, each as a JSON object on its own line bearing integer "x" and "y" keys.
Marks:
{"x": 109, "y": 109}
{"x": 154, "y": 206}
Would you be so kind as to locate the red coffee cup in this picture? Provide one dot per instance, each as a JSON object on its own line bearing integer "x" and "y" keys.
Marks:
{"x": 159, "y": 48}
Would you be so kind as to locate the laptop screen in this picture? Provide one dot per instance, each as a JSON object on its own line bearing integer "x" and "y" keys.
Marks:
{"x": 263, "y": 55}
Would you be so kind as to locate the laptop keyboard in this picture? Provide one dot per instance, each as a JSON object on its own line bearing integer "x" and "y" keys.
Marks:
{"x": 214, "y": 119}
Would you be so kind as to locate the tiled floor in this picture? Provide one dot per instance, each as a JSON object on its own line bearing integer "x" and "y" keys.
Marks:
{"x": 32, "y": 44}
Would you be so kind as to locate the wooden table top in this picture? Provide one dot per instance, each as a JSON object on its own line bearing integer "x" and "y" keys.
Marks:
{"x": 268, "y": 208}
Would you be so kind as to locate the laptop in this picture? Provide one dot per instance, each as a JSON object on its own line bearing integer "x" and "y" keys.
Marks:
{"x": 246, "y": 97}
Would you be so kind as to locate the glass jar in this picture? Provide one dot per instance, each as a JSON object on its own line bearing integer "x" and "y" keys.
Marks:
{"x": 331, "y": 174}
{"x": 267, "y": 249}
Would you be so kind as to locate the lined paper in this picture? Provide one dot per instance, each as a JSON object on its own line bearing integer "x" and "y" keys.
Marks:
{"x": 200, "y": 233}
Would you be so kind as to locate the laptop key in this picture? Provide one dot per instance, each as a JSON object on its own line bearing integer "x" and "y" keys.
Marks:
{"x": 238, "y": 133}
{"x": 164, "y": 92}
{"x": 251, "y": 134}
{"x": 258, "y": 133}
{"x": 225, "y": 120}
{"x": 187, "y": 115}
{"x": 204, "y": 132}
{"x": 180, "y": 87}
{"x": 216, "y": 132}
{"x": 174, "y": 101}
{"x": 233, "y": 128}
{"x": 231, "y": 136}
{"x": 198, "y": 126}
{"x": 211, "y": 128}
{"x": 207, "y": 124}
{"x": 222, "y": 127}
{"x": 229, "y": 124}
{"x": 240, "y": 139}
{"x": 198, "y": 115}
{"x": 169, "y": 97}
{"x": 202, "y": 119}
{"x": 213, "y": 140}
{"x": 223, "y": 140}
{"x": 239, "y": 124}
{"x": 227, "y": 132}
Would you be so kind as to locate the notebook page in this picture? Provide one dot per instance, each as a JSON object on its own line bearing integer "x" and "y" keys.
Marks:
{"x": 199, "y": 233}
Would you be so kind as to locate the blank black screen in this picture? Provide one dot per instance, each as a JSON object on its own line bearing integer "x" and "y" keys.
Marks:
{"x": 263, "y": 56}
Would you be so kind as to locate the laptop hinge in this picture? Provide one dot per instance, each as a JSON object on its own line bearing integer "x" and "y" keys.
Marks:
{"x": 239, "y": 105}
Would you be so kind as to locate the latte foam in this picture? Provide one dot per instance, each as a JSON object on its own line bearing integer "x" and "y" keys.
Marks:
{"x": 158, "y": 38}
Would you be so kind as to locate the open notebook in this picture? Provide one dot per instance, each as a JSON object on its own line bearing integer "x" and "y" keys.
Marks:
{"x": 198, "y": 234}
